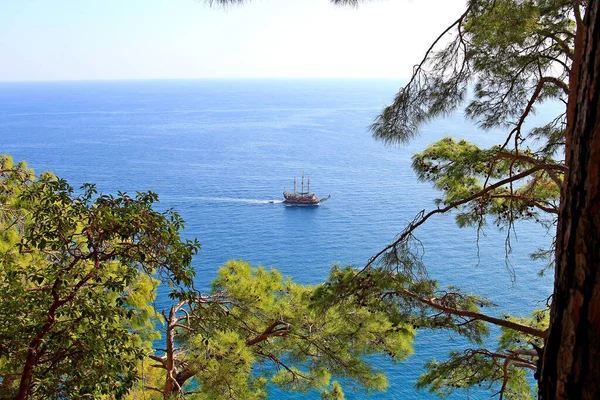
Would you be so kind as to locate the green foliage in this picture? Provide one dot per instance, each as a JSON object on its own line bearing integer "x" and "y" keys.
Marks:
{"x": 399, "y": 297}
{"x": 502, "y": 49}
{"x": 503, "y": 370}
{"x": 76, "y": 312}
{"x": 226, "y": 365}
{"x": 336, "y": 393}
{"x": 514, "y": 341}
{"x": 256, "y": 327}
{"x": 465, "y": 175}
{"x": 471, "y": 368}
{"x": 419, "y": 302}
{"x": 318, "y": 341}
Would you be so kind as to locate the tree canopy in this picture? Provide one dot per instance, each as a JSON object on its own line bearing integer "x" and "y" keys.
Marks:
{"x": 78, "y": 277}
{"x": 256, "y": 327}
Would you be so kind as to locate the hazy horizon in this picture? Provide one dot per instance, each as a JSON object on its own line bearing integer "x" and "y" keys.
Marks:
{"x": 274, "y": 78}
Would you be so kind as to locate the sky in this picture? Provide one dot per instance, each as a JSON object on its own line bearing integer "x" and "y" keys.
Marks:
{"x": 188, "y": 39}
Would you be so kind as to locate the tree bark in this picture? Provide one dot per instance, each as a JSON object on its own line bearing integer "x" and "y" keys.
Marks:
{"x": 570, "y": 366}
{"x": 171, "y": 383}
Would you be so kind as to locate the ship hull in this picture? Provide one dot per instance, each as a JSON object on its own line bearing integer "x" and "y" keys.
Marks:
{"x": 292, "y": 203}
{"x": 295, "y": 199}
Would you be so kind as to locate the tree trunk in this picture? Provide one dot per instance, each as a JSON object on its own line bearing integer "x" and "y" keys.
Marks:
{"x": 170, "y": 382}
{"x": 570, "y": 366}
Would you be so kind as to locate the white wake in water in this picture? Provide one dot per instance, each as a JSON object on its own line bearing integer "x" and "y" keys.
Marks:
{"x": 238, "y": 200}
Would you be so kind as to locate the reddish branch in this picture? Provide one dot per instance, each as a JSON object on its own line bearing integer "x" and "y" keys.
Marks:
{"x": 33, "y": 354}
{"x": 178, "y": 372}
{"x": 436, "y": 304}
{"x": 171, "y": 383}
{"x": 271, "y": 331}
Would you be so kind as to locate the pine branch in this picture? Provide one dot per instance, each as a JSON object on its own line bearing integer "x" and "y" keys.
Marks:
{"x": 550, "y": 210}
{"x": 432, "y": 302}
{"x": 269, "y": 332}
{"x": 422, "y": 217}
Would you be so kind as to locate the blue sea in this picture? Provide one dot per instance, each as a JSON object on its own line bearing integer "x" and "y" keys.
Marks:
{"x": 221, "y": 152}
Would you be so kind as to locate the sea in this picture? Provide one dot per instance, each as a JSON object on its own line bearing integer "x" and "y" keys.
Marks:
{"x": 221, "y": 152}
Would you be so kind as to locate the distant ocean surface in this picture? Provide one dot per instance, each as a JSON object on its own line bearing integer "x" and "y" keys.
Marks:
{"x": 219, "y": 151}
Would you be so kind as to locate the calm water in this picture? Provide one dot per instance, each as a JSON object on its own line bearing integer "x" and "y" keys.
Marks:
{"x": 219, "y": 151}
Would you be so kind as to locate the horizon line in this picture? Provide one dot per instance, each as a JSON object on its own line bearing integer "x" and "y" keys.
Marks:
{"x": 203, "y": 79}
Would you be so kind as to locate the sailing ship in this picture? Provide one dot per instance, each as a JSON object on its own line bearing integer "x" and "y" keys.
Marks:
{"x": 302, "y": 198}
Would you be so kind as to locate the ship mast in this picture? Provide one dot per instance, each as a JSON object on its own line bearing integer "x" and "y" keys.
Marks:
{"x": 308, "y": 188}
{"x": 302, "y": 181}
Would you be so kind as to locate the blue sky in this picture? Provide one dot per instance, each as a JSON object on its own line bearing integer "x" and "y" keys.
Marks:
{"x": 176, "y": 39}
